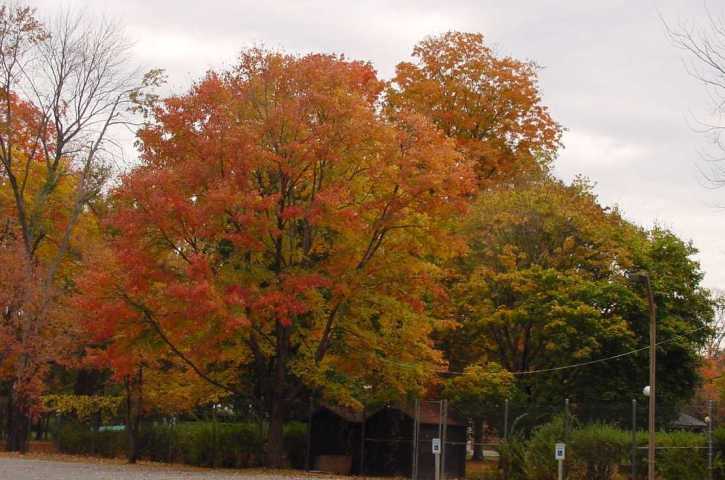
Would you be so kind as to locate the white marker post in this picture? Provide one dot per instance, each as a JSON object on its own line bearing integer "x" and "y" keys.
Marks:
{"x": 437, "y": 453}
{"x": 559, "y": 456}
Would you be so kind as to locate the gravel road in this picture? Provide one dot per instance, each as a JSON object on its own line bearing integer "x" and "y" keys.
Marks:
{"x": 13, "y": 468}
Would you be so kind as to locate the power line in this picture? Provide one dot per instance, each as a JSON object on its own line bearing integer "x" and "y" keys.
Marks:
{"x": 592, "y": 362}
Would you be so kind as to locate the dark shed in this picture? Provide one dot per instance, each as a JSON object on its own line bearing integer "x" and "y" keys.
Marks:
{"x": 336, "y": 434}
{"x": 389, "y": 443}
{"x": 335, "y": 437}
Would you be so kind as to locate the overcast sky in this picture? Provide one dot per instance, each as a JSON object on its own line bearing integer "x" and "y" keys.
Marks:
{"x": 610, "y": 76}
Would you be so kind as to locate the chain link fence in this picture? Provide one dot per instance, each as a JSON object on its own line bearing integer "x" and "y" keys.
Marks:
{"x": 434, "y": 440}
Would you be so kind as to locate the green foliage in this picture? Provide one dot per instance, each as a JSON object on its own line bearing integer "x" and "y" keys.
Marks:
{"x": 480, "y": 388}
{"x": 75, "y": 438}
{"x": 719, "y": 446}
{"x": 682, "y": 456}
{"x": 599, "y": 448}
{"x": 83, "y": 407}
{"x": 539, "y": 458}
{"x": 595, "y": 452}
{"x": 512, "y": 458}
{"x": 233, "y": 445}
{"x": 549, "y": 280}
{"x": 295, "y": 443}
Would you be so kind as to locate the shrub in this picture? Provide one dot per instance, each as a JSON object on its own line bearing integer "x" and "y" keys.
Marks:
{"x": 539, "y": 458}
{"x": 687, "y": 461}
{"x": 76, "y": 438}
{"x": 512, "y": 456}
{"x": 233, "y": 445}
{"x": 295, "y": 444}
{"x": 598, "y": 449}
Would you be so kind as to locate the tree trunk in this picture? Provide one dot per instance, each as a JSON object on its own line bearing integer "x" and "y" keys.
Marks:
{"x": 39, "y": 428}
{"x": 477, "y": 439}
{"x": 274, "y": 449}
{"x": 134, "y": 408}
{"x": 18, "y": 426}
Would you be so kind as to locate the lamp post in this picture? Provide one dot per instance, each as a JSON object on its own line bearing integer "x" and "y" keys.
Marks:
{"x": 650, "y": 389}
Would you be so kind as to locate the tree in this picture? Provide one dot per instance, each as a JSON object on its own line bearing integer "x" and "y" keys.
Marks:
{"x": 490, "y": 105}
{"x": 548, "y": 282}
{"x": 704, "y": 46}
{"x": 63, "y": 88}
{"x": 476, "y": 393}
{"x": 151, "y": 379}
{"x": 277, "y": 236}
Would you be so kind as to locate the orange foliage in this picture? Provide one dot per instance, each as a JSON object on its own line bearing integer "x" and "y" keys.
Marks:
{"x": 490, "y": 105}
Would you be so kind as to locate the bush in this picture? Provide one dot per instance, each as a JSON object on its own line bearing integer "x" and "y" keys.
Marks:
{"x": 512, "y": 457}
{"x": 682, "y": 463}
{"x": 205, "y": 444}
{"x": 295, "y": 444}
{"x": 598, "y": 449}
{"x": 233, "y": 445}
{"x": 539, "y": 458}
{"x": 75, "y": 438}
{"x": 718, "y": 436}
{"x": 595, "y": 451}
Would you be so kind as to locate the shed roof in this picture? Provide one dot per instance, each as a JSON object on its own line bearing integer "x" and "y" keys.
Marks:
{"x": 349, "y": 414}
{"x": 685, "y": 420}
{"x": 429, "y": 413}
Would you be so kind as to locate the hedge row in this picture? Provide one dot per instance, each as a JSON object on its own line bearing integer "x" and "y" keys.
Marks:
{"x": 600, "y": 452}
{"x": 233, "y": 445}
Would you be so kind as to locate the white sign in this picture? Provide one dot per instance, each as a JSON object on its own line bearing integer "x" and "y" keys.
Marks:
{"x": 560, "y": 451}
{"x": 437, "y": 446}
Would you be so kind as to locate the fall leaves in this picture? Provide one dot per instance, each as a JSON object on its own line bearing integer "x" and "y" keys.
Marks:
{"x": 298, "y": 226}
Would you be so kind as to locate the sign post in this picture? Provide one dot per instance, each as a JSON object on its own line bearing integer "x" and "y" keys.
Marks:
{"x": 559, "y": 456}
{"x": 437, "y": 454}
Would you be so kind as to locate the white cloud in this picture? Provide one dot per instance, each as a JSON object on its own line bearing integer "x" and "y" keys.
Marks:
{"x": 611, "y": 77}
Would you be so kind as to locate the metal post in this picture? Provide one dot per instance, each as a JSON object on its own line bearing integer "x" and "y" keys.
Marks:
{"x": 362, "y": 442}
{"x": 652, "y": 379}
{"x": 566, "y": 420}
{"x": 440, "y": 434}
{"x": 308, "y": 453}
{"x": 506, "y": 419}
{"x": 561, "y": 469}
{"x": 567, "y": 428}
{"x": 634, "y": 439}
{"x": 416, "y": 428}
{"x": 443, "y": 439}
{"x": 437, "y": 466}
{"x": 709, "y": 440}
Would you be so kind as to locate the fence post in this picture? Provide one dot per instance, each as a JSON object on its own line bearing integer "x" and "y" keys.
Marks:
{"x": 416, "y": 427}
{"x": 443, "y": 439}
{"x": 566, "y": 434}
{"x": 634, "y": 439}
{"x": 709, "y": 439}
{"x": 308, "y": 453}
{"x": 362, "y": 442}
{"x": 506, "y": 419}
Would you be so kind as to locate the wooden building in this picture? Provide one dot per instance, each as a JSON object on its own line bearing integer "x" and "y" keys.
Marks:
{"x": 336, "y": 442}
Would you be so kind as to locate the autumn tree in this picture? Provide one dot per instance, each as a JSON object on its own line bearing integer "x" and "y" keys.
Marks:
{"x": 476, "y": 392}
{"x": 63, "y": 88}
{"x": 549, "y": 281}
{"x": 148, "y": 378}
{"x": 489, "y": 104}
{"x": 277, "y": 236}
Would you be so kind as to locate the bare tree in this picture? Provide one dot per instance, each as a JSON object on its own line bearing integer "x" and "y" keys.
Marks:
{"x": 64, "y": 90}
{"x": 705, "y": 48}
{"x": 714, "y": 346}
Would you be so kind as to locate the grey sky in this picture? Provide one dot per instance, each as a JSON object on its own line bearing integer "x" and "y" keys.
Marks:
{"x": 610, "y": 76}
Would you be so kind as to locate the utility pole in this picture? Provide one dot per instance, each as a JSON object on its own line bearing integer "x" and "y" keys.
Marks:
{"x": 652, "y": 379}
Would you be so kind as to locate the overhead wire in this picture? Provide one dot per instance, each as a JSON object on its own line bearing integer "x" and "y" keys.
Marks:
{"x": 566, "y": 367}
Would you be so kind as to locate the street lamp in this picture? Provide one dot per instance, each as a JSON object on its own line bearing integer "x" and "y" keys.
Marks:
{"x": 650, "y": 389}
